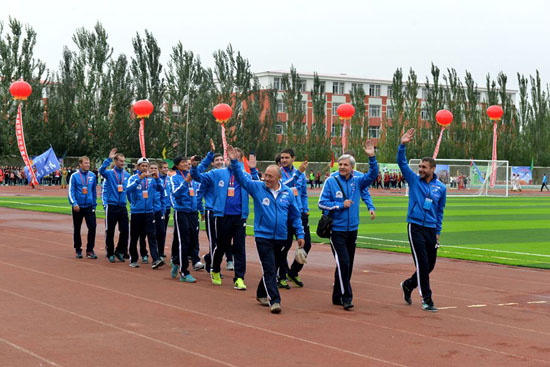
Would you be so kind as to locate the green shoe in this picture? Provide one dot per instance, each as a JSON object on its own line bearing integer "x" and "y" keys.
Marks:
{"x": 216, "y": 279}
{"x": 295, "y": 279}
{"x": 188, "y": 279}
{"x": 174, "y": 271}
{"x": 283, "y": 284}
{"x": 239, "y": 284}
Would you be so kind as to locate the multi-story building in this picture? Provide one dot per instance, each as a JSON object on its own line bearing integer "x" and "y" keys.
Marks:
{"x": 378, "y": 99}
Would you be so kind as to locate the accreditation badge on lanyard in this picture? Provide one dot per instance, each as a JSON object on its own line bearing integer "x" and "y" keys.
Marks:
{"x": 145, "y": 193}
{"x": 120, "y": 188}
{"x": 428, "y": 201}
{"x": 294, "y": 189}
{"x": 84, "y": 183}
{"x": 231, "y": 187}
{"x": 191, "y": 190}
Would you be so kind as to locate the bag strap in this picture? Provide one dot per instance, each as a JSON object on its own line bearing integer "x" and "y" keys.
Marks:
{"x": 341, "y": 188}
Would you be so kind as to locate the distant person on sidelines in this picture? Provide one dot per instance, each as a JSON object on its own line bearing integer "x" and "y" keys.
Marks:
{"x": 274, "y": 206}
{"x": 544, "y": 183}
{"x": 114, "y": 198}
{"x": 340, "y": 196}
{"x": 83, "y": 198}
{"x": 427, "y": 197}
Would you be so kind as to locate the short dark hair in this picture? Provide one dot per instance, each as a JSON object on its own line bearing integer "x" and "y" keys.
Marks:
{"x": 216, "y": 155}
{"x": 278, "y": 159}
{"x": 82, "y": 159}
{"x": 289, "y": 151}
{"x": 118, "y": 155}
{"x": 430, "y": 160}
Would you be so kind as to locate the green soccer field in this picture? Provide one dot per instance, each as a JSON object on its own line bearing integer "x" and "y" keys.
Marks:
{"x": 512, "y": 231}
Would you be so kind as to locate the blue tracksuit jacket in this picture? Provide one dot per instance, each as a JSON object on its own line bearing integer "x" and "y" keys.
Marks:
{"x": 419, "y": 191}
{"x": 332, "y": 198}
{"x": 114, "y": 177}
{"x": 296, "y": 179}
{"x": 183, "y": 195}
{"x": 135, "y": 188}
{"x": 76, "y": 195}
{"x": 271, "y": 214}
{"x": 365, "y": 194}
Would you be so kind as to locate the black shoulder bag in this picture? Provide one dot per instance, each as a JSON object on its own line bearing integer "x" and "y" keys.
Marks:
{"x": 324, "y": 227}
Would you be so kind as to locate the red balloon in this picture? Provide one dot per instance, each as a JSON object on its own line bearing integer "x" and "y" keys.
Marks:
{"x": 20, "y": 90}
{"x": 222, "y": 112}
{"x": 444, "y": 117}
{"x": 495, "y": 112}
{"x": 345, "y": 111}
{"x": 143, "y": 108}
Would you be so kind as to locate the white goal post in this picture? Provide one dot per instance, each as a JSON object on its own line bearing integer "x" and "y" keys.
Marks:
{"x": 470, "y": 177}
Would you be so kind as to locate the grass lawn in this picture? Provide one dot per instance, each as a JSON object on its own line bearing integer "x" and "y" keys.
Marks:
{"x": 513, "y": 231}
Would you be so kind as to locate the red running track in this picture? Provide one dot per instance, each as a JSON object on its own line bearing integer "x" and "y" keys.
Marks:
{"x": 59, "y": 311}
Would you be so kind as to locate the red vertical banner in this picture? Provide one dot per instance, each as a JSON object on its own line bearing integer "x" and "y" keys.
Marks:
{"x": 142, "y": 137}
{"x": 224, "y": 141}
{"x": 21, "y": 144}
{"x": 436, "y": 151}
{"x": 494, "y": 159}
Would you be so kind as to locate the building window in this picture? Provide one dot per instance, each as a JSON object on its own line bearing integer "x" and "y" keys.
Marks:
{"x": 302, "y": 85}
{"x": 281, "y": 107}
{"x": 424, "y": 113}
{"x": 424, "y": 93}
{"x": 374, "y": 132}
{"x": 322, "y": 86}
{"x": 337, "y": 88}
{"x": 336, "y": 130}
{"x": 277, "y": 85}
{"x": 279, "y": 129}
{"x": 389, "y": 112}
{"x": 390, "y": 91}
{"x": 356, "y": 86}
{"x": 334, "y": 108}
{"x": 375, "y": 110}
{"x": 374, "y": 90}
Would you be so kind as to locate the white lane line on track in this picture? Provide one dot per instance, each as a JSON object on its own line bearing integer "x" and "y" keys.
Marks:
{"x": 206, "y": 315}
{"x": 116, "y": 327}
{"x": 446, "y": 308}
{"x": 475, "y": 306}
{"x": 508, "y": 304}
{"x": 51, "y": 363}
{"x": 536, "y": 302}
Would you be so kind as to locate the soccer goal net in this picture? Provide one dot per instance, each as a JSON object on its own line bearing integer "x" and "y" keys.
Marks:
{"x": 467, "y": 177}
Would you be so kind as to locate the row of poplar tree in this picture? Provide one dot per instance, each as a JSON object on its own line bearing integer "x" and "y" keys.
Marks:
{"x": 87, "y": 106}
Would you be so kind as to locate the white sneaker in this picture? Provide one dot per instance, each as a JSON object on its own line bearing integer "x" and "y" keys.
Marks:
{"x": 198, "y": 266}
{"x": 230, "y": 266}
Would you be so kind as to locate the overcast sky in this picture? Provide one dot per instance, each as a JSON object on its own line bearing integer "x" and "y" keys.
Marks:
{"x": 360, "y": 38}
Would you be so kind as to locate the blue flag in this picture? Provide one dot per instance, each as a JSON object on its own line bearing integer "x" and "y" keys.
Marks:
{"x": 44, "y": 164}
{"x": 478, "y": 172}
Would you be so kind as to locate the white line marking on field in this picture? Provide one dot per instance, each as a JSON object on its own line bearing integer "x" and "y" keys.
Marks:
{"x": 532, "y": 302}
{"x": 29, "y": 352}
{"x": 446, "y": 308}
{"x": 508, "y": 304}
{"x": 34, "y": 204}
{"x": 473, "y": 306}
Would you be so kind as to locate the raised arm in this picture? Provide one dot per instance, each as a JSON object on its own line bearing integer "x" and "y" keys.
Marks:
{"x": 240, "y": 176}
{"x": 132, "y": 184}
{"x": 402, "y": 159}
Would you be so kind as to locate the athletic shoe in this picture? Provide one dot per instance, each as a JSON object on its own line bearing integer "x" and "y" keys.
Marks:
{"x": 157, "y": 264}
{"x": 134, "y": 265}
{"x": 120, "y": 257}
{"x": 428, "y": 305}
{"x": 296, "y": 280}
{"x": 188, "y": 279}
{"x": 91, "y": 255}
{"x": 78, "y": 254}
{"x": 145, "y": 259}
{"x": 263, "y": 301}
{"x": 406, "y": 293}
{"x": 348, "y": 306}
{"x": 276, "y": 308}
{"x": 230, "y": 266}
{"x": 174, "y": 270}
{"x": 162, "y": 257}
{"x": 216, "y": 279}
{"x": 283, "y": 284}
{"x": 239, "y": 284}
{"x": 206, "y": 264}
{"x": 198, "y": 266}
{"x": 111, "y": 258}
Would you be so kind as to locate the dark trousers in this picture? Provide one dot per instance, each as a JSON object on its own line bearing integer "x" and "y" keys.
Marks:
{"x": 160, "y": 231}
{"x": 186, "y": 229}
{"x": 543, "y": 186}
{"x": 230, "y": 229}
{"x": 87, "y": 214}
{"x": 343, "y": 249}
{"x": 116, "y": 214}
{"x": 270, "y": 257}
{"x": 141, "y": 225}
{"x": 296, "y": 266}
{"x": 423, "y": 241}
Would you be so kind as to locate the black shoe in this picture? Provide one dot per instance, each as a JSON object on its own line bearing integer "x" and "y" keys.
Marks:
{"x": 428, "y": 305}
{"x": 78, "y": 254}
{"x": 295, "y": 279}
{"x": 91, "y": 255}
{"x": 120, "y": 257}
{"x": 406, "y": 293}
{"x": 348, "y": 306}
{"x": 157, "y": 263}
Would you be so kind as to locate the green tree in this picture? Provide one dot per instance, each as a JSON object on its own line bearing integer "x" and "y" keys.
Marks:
{"x": 319, "y": 142}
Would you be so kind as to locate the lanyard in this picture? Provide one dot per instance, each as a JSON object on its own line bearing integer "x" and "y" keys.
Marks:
{"x": 146, "y": 183}
{"x": 165, "y": 180}
{"x": 286, "y": 173}
{"x": 82, "y": 178}
{"x": 182, "y": 175}
{"x": 116, "y": 176}
{"x": 231, "y": 181}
